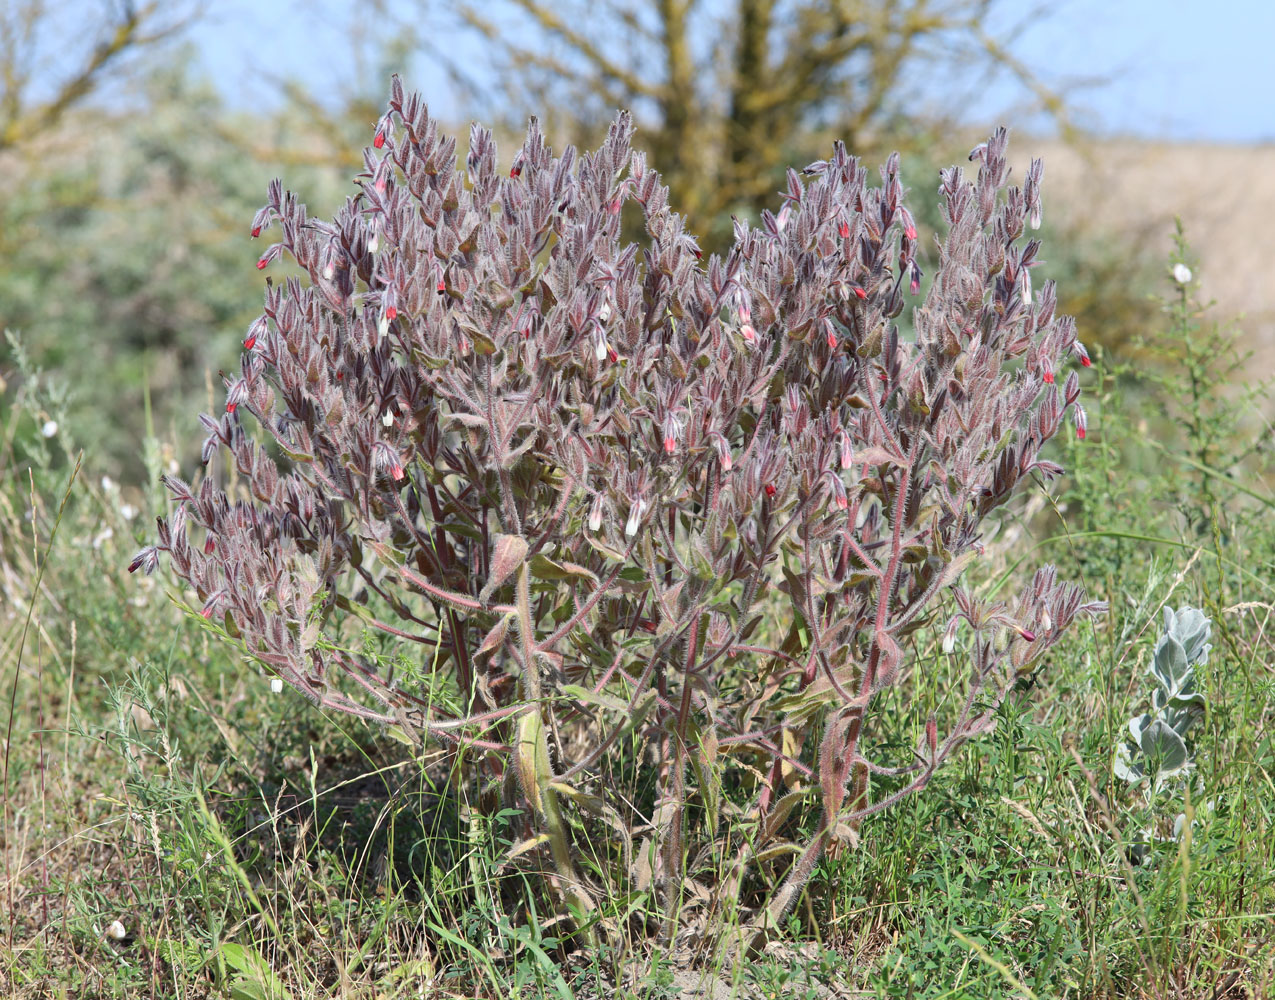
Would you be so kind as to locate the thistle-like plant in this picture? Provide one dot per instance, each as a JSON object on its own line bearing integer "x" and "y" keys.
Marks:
{"x": 580, "y": 477}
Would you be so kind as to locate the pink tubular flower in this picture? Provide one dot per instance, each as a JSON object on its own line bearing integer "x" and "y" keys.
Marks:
{"x": 255, "y": 331}
{"x": 1082, "y": 422}
{"x": 843, "y": 230}
{"x": 147, "y": 560}
{"x": 847, "y": 452}
{"x": 237, "y": 394}
{"x": 909, "y": 226}
{"x": 379, "y": 140}
{"x": 209, "y": 545}
{"x": 831, "y": 332}
{"x": 386, "y": 457}
{"x": 838, "y": 490}
{"x": 670, "y": 435}
{"x": 723, "y": 451}
{"x": 1047, "y": 371}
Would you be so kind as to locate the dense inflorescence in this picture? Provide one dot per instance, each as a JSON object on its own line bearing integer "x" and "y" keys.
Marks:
{"x": 572, "y": 471}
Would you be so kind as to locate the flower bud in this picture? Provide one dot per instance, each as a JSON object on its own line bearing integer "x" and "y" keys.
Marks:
{"x": 1082, "y": 422}
{"x": 670, "y": 430}
{"x": 635, "y": 517}
{"x": 949, "y": 637}
{"x": 595, "y": 513}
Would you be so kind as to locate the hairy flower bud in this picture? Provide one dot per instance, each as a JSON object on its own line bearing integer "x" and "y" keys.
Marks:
{"x": 636, "y": 510}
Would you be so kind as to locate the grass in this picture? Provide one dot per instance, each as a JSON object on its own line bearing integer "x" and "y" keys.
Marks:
{"x": 250, "y": 846}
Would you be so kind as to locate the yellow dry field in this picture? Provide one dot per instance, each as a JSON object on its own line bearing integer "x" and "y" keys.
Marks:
{"x": 1225, "y": 196}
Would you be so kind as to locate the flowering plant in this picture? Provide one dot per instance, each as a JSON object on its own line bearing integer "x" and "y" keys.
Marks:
{"x": 580, "y": 477}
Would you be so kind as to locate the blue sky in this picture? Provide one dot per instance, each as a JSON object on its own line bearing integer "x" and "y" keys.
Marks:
{"x": 1177, "y": 70}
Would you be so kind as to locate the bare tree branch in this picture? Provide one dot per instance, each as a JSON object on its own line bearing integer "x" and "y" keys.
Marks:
{"x": 121, "y": 33}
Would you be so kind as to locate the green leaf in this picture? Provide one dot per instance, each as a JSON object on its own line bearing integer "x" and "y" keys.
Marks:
{"x": 1163, "y": 747}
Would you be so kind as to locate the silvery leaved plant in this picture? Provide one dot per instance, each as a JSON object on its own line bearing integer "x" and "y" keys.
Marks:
{"x": 610, "y": 495}
{"x": 1156, "y": 753}
{"x": 1157, "y": 758}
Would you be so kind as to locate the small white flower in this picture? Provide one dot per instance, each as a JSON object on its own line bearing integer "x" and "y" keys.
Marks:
{"x": 383, "y": 325}
{"x": 50, "y": 428}
{"x": 635, "y": 517}
{"x": 128, "y": 511}
{"x": 387, "y": 419}
{"x": 373, "y": 244}
{"x": 276, "y": 685}
{"x": 949, "y": 637}
{"x": 115, "y": 931}
{"x": 1181, "y": 274}
{"x": 108, "y": 484}
{"x": 329, "y": 269}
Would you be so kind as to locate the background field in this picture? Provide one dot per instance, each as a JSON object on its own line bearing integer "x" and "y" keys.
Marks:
{"x": 174, "y": 828}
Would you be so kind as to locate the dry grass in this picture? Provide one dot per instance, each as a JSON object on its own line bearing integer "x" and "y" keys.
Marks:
{"x": 1225, "y": 196}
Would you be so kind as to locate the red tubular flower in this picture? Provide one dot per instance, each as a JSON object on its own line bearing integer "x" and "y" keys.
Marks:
{"x": 256, "y": 231}
{"x": 379, "y": 140}
{"x": 860, "y": 293}
{"x": 261, "y": 263}
{"x": 670, "y": 435}
{"x": 770, "y": 489}
{"x": 843, "y": 230}
{"x": 209, "y": 545}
